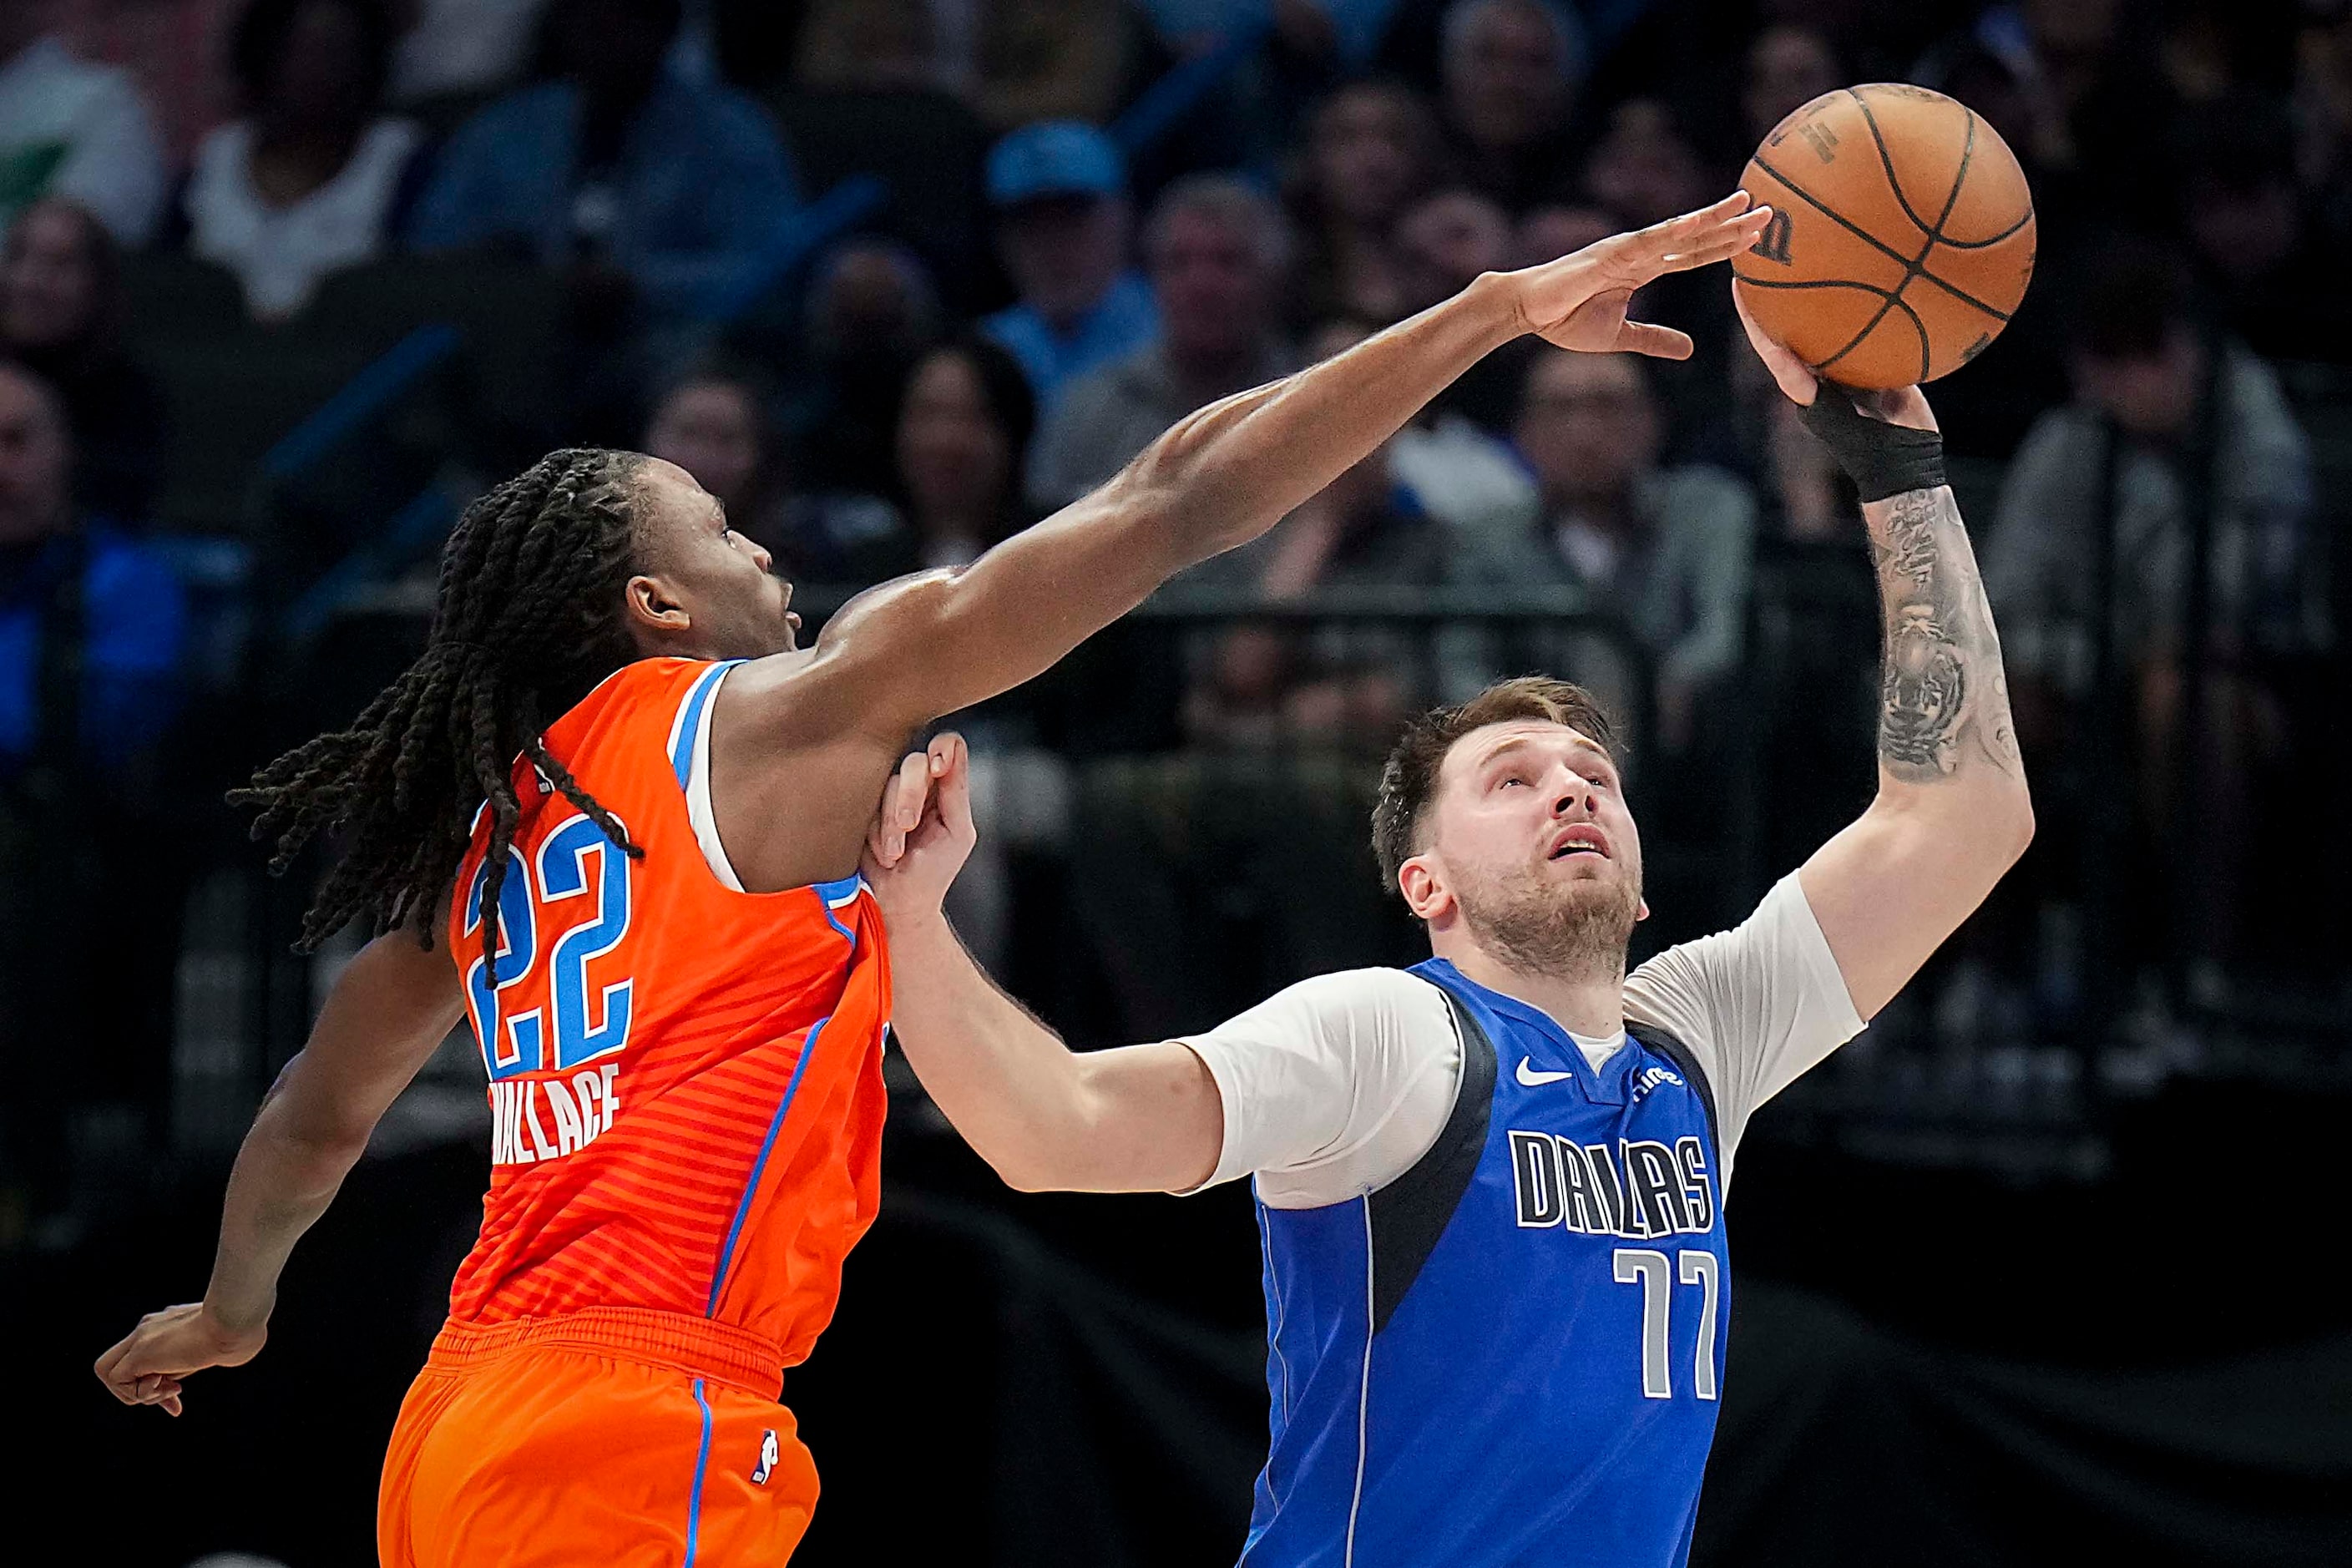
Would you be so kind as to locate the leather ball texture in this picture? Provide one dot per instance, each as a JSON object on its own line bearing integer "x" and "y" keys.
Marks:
{"x": 1902, "y": 236}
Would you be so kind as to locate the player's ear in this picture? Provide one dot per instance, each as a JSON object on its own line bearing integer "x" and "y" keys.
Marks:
{"x": 652, "y": 605}
{"x": 1640, "y": 911}
{"x": 1423, "y": 883}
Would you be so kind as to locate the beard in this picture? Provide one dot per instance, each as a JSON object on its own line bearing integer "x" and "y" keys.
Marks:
{"x": 1536, "y": 926}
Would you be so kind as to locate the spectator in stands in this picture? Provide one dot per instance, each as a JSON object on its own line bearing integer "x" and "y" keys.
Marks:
{"x": 61, "y": 314}
{"x": 1443, "y": 243}
{"x": 1985, "y": 414}
{"x": 2149, "y": 372}
{"x": 1057, "y": 59}
{"x": 1510, "y": 71}
{"x": 308, "y": 180}
{"x": 2204, "y": 435}
{"x": 449, "y": 49}
{"x": 1014, "y": 62}
{"x": 1280, "y": 55}
{"x": 2275, "y": 288}
{"x": 1997, "y": 83}
{"x": 652, "y": 192}
{"x": 171, "y": 50}
{"x": 964, "y": 428}
{"x": 1445, "y": 240}
{"x": 1362, "y": 530}
{"x": 963, "y": 421}
{"x": 1217, "y": 251}
{"x": 1789, "y": 66}
{"x": 1062, "y": 228}
{"x": 75, "y": 129}
{"x": 713, "y": 422}
{"x": 2095, "y": 100}
{"x": 883, "y": 46}
{"x": 91, "y": 633}
{"x": 1372, "y": 149}
{"x": 1668, "y": 550}
{"x": 1550, "y": 232}
{"x": 1646, "y": 168}
{"x": 1810, "y": 502}
{"x": 2322, "y": 113}
{"x": 1258, "y": 824}
{"x": 872, "y": 311}
{"x": 129, "y": 603}
{"x": 1452, "y": 458}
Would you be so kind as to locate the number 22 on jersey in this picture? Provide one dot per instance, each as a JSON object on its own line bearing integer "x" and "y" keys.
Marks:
{"x": 559, "y": 910}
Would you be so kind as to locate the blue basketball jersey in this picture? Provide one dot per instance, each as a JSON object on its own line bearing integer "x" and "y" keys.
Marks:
{"x": 1510, "y": 1354}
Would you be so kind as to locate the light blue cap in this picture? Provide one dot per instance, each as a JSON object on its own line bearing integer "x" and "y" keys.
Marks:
{"x": 1053, "y": 158}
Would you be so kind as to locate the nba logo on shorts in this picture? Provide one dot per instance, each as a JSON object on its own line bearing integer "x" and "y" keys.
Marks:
{"x": 768, "y": 1457}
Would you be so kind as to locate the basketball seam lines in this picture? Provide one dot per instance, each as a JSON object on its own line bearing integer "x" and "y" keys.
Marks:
{"x": 1987, "y": 242}
{"x": 1868, "y": 327}
{"x": 1893, "y": 301}
{"x": 1886, "y": 162}
{"x": 1875, "y": 243}
{"x": 1819, "y": 283}
{"x": 1918, "y": 266}
{"x": 1917, "y": 326}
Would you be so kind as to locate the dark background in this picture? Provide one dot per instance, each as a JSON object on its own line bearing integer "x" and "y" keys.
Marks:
{"x": 2046, "y": 1267}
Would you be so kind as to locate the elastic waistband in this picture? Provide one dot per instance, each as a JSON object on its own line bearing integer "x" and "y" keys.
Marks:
{"x": 695, "y": 1345}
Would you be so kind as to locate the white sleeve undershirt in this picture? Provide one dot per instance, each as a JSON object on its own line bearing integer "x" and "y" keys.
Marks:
{"x": 1759, "y": 1005}
{"x": 1335, "y": 1085}
{"x": 698, "y": 794}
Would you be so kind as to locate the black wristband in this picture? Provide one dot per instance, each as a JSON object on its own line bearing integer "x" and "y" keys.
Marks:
{"x": 1882, "y": 459}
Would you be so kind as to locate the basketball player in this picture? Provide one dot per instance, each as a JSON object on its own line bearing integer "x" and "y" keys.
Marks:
{"x": 634, "y": 810}
{"x": 1490, "y": 1188}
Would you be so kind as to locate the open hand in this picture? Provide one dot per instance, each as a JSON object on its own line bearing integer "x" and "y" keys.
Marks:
{"x": 147, "y": 1366}
{"x": 923, "y": 831}
{"x": 1579, "y": 302}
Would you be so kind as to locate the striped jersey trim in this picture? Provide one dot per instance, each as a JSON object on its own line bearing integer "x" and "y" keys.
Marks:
{"x": 690, "y": 719}
{"x": 835, "y": 895}
{"x": 702, "y": 1466}
{"x": 1363, "y": 1393}
{"x": 760, "y": 1165}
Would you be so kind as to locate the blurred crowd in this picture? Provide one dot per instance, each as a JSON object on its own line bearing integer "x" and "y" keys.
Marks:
{"x": 1095, "y": 216}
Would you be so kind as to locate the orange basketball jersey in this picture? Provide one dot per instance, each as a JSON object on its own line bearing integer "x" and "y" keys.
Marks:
{"x": 685, "y": 1088}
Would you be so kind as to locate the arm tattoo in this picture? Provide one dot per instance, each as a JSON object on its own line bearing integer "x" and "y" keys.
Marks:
{"x": 1943, "y": 698}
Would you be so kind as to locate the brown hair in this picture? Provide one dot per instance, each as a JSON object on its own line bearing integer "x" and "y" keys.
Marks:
{"x": 1409, "y": 778}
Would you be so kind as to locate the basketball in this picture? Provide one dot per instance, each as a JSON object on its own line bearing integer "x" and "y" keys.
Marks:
{"x": 1902, "y": 234}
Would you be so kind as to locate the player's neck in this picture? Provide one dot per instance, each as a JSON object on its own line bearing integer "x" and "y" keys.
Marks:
{"x": 1584, "y": 1000}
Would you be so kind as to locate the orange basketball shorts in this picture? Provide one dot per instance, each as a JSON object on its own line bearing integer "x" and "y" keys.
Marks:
{"x": 608, "y": 1438}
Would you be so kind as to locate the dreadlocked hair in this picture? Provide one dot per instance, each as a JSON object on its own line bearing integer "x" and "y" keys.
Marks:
{"x": 527, "y": 621}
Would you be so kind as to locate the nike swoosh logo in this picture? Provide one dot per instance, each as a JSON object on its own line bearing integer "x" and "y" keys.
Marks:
{"x": 1535, "y": 1080}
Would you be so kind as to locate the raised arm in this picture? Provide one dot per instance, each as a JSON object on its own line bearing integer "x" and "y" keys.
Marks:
{"x": 1136, "y": 1119}
{"x": 385, "y": 1014}
{"x": 1952, "y": 814}
{"x": 928, "y": 645}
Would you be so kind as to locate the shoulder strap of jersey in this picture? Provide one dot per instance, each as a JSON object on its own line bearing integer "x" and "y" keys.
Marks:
{"x": 1410, "y": 1212}
{"x": 692, "y": 716}
{"x": 1665, "y": 1045}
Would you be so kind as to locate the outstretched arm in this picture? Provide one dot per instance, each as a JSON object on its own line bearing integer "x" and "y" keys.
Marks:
{"x": 1952, "y": 813}
{"x": 931, "y": 644}
{"x": 387, "y": 1012}
{"x": 1137, "y": 1119}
